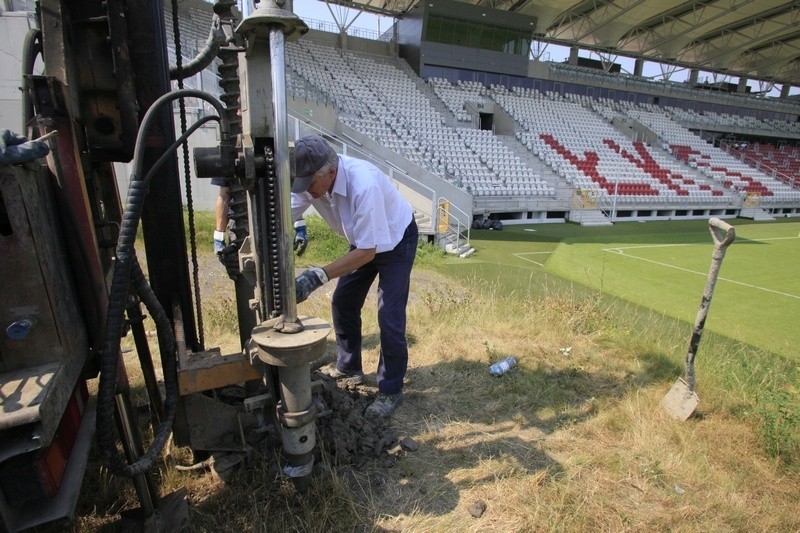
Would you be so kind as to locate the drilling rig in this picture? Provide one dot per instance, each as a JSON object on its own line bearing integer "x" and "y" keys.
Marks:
{"x": 73, "y": 284}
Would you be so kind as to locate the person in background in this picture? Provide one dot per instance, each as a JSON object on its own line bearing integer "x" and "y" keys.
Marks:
{"x": 359, "y": 202}
{"x": 227, "y": 252}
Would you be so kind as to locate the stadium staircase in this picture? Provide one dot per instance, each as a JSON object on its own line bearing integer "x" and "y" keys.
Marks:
{"x": 424, "y": 222}
{"x": 756, "y": 213}
{"x": 589, "y": 217}
{"x": 537, "y": 166}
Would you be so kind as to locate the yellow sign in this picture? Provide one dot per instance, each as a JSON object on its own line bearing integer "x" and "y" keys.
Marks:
{"x": 585, "y": 198}
{"x": 752, "y": 199}
{"x": 444, "y": 216}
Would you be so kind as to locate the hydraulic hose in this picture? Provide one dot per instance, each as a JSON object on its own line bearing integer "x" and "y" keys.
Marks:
{"x": 216, "y": 39}
{"x": 31, "y": 48}
{"x": 127, "y": 273}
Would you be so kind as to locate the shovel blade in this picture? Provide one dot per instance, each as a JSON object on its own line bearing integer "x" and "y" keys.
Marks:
{"x": 680, "y": 402}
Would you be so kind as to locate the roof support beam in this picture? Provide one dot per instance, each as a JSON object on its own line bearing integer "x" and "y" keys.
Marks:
{"x": 590, "y": 23}
{"x": 720, "y": 56}
{"x": 688, "y": 23}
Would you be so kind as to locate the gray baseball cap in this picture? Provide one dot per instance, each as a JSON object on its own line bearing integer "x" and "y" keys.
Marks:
{"x": 310, "y": 155}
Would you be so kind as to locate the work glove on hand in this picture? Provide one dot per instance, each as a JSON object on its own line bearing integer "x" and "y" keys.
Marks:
{"x": 219, "y": 241}
{"x": 309, "y": 281}
{"x": 300, "y": 237}
{"x": 229, "y": 257}
{"x": 18, "y": 149}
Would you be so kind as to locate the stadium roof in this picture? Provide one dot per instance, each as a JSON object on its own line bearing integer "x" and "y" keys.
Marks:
{"x": 758, "y": 39}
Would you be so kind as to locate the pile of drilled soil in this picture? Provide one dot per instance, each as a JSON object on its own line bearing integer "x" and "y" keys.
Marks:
{"x": 345, "y": 436}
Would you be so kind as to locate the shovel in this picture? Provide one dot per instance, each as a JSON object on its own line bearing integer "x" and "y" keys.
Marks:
{"x": 681, "y": 400}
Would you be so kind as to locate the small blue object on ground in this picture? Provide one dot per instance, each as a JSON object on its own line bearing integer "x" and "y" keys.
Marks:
{"x": 504, "y": 365}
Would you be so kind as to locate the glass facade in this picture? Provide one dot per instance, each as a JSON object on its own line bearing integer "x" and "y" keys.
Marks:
{"x": 447, "y": 30}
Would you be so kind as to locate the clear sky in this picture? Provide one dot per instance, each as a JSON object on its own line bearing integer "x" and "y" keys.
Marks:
{"x": 316, "y": 10}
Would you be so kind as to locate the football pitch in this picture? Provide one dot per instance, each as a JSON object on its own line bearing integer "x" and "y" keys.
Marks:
{"x": 664, "y": 266}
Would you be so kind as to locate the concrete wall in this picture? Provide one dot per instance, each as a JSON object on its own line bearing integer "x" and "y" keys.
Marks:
{"x": 314, "y": 111}
{"x": 409, "y": 36}
{"x": 538, "y": 70}
{"x": 348, "y": 42}
{"x": 504, "y": 124}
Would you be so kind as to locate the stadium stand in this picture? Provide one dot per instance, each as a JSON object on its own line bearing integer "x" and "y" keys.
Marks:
{"x": 628, "y": 155}
{"x": 715, "y": 163}
{"x": 782, "y": 163}
{"x": 456, "y": 97}
{"x": 590, "y": 154}
{"x": 391, "y": 108}
{"x": 642, "y": 158}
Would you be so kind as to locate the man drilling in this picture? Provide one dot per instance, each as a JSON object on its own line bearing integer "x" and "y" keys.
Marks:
{"x": 359, "y": 202}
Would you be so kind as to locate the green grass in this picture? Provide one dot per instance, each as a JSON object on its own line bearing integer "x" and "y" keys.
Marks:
{"x": 664, "y": 267}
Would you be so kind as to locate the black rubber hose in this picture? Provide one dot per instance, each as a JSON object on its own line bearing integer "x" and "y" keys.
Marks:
{"x": 31, "y": 48}
{"x": 127, "y": 270}
{"x": 114, "y": 328}
{"x": 168, "y": 153}
{"x": 216, "y": 39}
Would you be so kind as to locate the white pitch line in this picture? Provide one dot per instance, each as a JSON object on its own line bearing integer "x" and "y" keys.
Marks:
{"x": 620, "y": 251}
{"x": 520, "y": 254}
{"x": 617, "y": 249}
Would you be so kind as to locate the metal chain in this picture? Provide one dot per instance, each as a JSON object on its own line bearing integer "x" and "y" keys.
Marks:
{"x": 273, "y": 255}
{"x": 187, "y": 174}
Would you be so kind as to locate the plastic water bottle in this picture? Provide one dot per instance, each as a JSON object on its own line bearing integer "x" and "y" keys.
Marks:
{"x": 503, "y": 366}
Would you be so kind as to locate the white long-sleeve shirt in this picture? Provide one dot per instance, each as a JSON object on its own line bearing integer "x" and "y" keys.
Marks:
{"x": 363, "y": 206}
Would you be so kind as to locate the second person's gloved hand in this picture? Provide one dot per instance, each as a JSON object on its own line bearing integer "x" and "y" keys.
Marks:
{"x": 300, "y": 237}
{"x": 15, "y": 148}
{"x": 219, "y": 241}
{"x": 229, "y": 257}
{"x": 309, "y": 281}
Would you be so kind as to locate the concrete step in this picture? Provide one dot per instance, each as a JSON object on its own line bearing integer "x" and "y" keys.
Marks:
{"x": 424, "y": 223}
{"x": 468, "y": 253}
{"x": 589, "y": 217}
{"x": 756, "y": 213}
{"x": 463, "y": 251}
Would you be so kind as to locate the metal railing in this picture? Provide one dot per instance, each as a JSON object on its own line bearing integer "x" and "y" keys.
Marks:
{"x": 363, "y": 33}
{"x": 760, "y": 165}
{"x": 453, "y": 232}
{"x": 350, "y": 146}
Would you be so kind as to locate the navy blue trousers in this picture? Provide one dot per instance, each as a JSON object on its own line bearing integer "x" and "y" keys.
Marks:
{"x": 393, "y": 269}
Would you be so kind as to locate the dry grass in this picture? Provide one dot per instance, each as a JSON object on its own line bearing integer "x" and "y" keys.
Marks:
{"x": 572, "y": 439}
